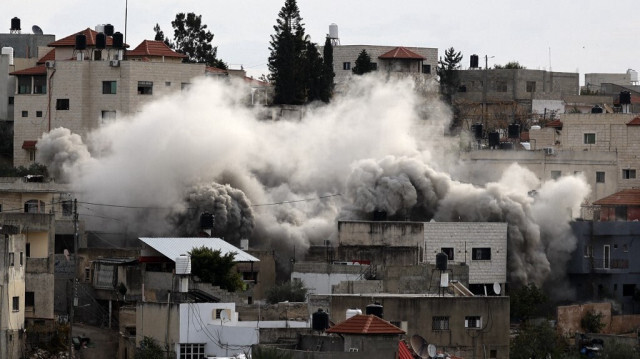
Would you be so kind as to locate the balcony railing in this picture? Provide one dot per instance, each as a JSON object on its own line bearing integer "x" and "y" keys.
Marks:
{"x": 613, "y": 263}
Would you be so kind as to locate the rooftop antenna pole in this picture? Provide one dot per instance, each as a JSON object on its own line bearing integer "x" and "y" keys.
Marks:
{"x": 126, "y": 8}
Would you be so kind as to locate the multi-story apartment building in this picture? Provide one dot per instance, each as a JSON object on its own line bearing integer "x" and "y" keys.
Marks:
{"x": 94, "y": 87}
{"x": 12, "y": 290}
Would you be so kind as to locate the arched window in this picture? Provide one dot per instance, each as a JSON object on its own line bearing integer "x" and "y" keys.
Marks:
{"x": 34, "y": 206}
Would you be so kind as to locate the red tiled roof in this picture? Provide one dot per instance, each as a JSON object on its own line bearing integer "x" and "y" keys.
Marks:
{"x": 403, "y": 351}
{"x": 29, "y": 145}
{"x": 365, "y": 324}
{"x": 401, "y": 53}
{"x": 51, "y": 55}
{"x": 215, "y": 70}
{"x": 91, "y": 39}
{"x": 627, "y": 197}
{"x": 634, "y": 122}
{"x": 37, "y": 70}
{"x": 154, "y": 48}
{"x": 556, "y": 123}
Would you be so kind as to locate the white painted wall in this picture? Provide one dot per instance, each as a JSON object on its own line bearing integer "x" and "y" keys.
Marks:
{"x": 320, "y": 283}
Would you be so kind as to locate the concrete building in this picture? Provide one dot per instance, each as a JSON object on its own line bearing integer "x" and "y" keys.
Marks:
{"x": 420, "y": 62}
{"x": 83, "y": 95}
{"x": 463, "y": 326}
{"x": 12, "y": 290}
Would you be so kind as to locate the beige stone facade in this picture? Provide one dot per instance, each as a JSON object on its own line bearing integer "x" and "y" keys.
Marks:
{"x": 83, "y": 95}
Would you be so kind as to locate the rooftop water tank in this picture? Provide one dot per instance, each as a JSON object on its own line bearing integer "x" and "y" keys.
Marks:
{"x": 441, "y": 261}
{"x": 333, "y": 31}
{"x": 81, "y": 42}
{"x": 514, "y": 130}
{"x": 375, "y": 309}
{"x": 352, "y": 313}
{"x": 494, "y": 139}
{"x": 320, "y": 320}
{"x": 101, "y": 41}
{"x": 15, "y": 24}
{"x": 183, "y": 265}
{"x": 108, "y": 29}
{"x": 206, "y": 220}
{"x": 633, "y": 75}
{"x": 474, "y": 61}
{"x": 99, "y": 28}
{"x": 118, "y": 40}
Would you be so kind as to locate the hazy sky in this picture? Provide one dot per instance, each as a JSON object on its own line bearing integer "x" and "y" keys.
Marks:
{"x": 585, "y": 36}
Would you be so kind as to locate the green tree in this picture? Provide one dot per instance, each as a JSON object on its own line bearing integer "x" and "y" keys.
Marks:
{"x": 536, "y": 341}
{"x": 149, "y": 349}
{"x": 448, "y": 73}
{"x": 313, "y": 71}
{"x": 511, "y": 65}
{"x": 286, "y": 60}
{"x": 363, "y": 63}
{"x": 591, "y": 322}
{"x": 192, "y": 38}
{"x": 289, "y": 291}
{"x": 327, "y": 71}
{"x": 527, "y": 302}
{"x": 160, "y": 36}
{"x": 264, "y": 352}
{"x": 213, "y": 267}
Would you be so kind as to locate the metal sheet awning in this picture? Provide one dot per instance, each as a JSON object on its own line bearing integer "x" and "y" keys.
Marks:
{"x": 173, "y": 247}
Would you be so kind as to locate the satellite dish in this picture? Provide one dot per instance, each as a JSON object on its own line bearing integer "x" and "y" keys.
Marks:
{"x": 36, "y": 29}
{"x": 431, "y": 349}
{"x": 420, "y": 346}
{"x": 496, "y": 288}
{"x": 224, "y": 315}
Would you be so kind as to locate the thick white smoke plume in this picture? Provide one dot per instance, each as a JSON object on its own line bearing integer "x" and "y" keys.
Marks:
{"x": 378, "y": 146}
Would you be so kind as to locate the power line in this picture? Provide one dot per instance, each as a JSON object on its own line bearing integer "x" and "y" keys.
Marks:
{"x": 296, "y": 201}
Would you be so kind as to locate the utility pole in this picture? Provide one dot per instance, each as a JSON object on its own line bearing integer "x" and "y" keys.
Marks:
{"x": 74, "y": 280}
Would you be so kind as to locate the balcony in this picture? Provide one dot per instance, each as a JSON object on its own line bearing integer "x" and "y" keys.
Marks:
{"x": 615, "y": 265}
{"x": 37, "y": 265}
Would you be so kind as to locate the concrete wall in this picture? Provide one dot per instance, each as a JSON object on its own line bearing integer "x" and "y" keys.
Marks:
{"x": 159, "y": 321}
{"x": 569, "y": 317}
{"x": 394, "y": 234}
{"x": 418, "y": 311}
{"x": 319, "y": 278}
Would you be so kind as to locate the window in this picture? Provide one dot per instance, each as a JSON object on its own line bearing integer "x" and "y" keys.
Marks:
{"x": 625, "y": 247}
{"x": 32, "y": 155}
{"x": 473, "y": 322}
{"x": 167, "y": 83}
{"x": 628, "y": 290}
{"x": 62, "y": 104}
{"x": 628, "y": 174}
{"x": 501, "y": 86}
{"x": 0, "y": 207}
{"x": 34, "y": 206}
{"x": 145, "y": 88}
{"x": 449, "y": 252}
{"x": 109, "y": 87}
{"x": 38, "y": 113}
{"x": 426, "y": 69}
{"x": 24, "y": 85}
{"x": 493, "y": 354}
{"x": 606, "y": 257}
{"x": 108, "y": 116}
{"x": 191, "y": 351}
{"x": 556, "y": 174}
{"x": 346, "y": 66}
{"x": 29, "y": 301}
{"x": 16, "y": 304}
{"x": 531, "y": 86}
{"x": 589, "y": 138}
{"x": 374, "y": 66}
{"x": 87, "y": 274}
{"x": 10, "y": 100}
{"x": 67, "y": 208}
{"x": 11, "y": 259}
{"x": 599, "y": 177}
{"x": 588, "y": 251}
{"x": 185, "y": 86}
{"x": 27, "y": 249}
{"x": 40, "y": 85}
{"x": 25, "y": 113}
{"x": 21, "y": 259}
{"x": 481, "y": 254}
{"x": 440, "y": 323}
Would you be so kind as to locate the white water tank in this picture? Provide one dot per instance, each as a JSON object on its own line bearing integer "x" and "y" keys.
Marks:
{"x": 633, "y": 75}
{"x": 352, "y": 313}
{"x": 8, "y": 51}
{"x": 183, "y": 265}
{"x": 100, "y": 28}
{"x": 535, "y": 127}
{"x": 333, "y": 31}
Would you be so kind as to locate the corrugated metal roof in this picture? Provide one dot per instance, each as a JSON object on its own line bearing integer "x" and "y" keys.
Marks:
{"x": 365, "y": 324}
{"x": 172, "y": 247}
{"x": 627, "y": 197}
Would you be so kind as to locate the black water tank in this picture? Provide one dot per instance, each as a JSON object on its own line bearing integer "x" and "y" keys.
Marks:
{"x": 514, "y": 130}
{"x": 494, "y": 139}
{"x": 506, "y": 145}
{"x": 101, "y": 41}
{"x": 375, "y": 309}
{"x": 108, "y": 29}
{"x": 477, "y": 131}
{"x": 320, "y": 320}
{"x": 379, "y": 215}
{"x": 118, "y": 41}
{"x": 596, "y": 109}
{"x": 441, "y": 261}
{"x": 474, "y": 61}
{"x": 15, "y": 24}
{"x": 206, "y": 220}
{"x": 81, "y": 42}
{"x": 625, "y": 97}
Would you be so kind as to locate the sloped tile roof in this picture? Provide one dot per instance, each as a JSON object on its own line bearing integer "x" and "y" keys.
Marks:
{"x": 37, "y": 70}
{"x": 401, "y": 53}
{"x": 154, "y": 48}
{"x": 634, "y": 122}
{"x": 403, "y": 351}
{"x": 627, "y": 197}
{"x": 365, "y": 324}
{"x": 91, "y": 39}
{"x": 51, "y": 55}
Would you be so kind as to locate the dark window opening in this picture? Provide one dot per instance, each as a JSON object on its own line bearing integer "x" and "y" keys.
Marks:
{"x": 346, "y": 66}
{"x": 24, "y": 85}
{"x": 145, "y": 88}
{"x": 628, "y": 174}
{"x": 38, "y": 113}
{"x": 62, "y": 242}
{"x": 27, "y": 249}
{"x": 11, "y": 259}
{"x": 25, "y": 113}
{"x": 449, "y": 252}
{"x": 599, "y": 177}
{"x": 426, "y": 69}
{"x": 11, "y": 100}
{"x": 16, "y": 304}
{"x": 62, "y": 104}
{"x": 628, "y": 290}
{"x": 29, "y": 301}
{"x": 109, "y": 87}
{"x": 531, "y": 86}
{"x": 440, "y": 323}
{"x": 481, "y": 254}
{"x": 40, "y": 85}
{"x": 67, "y": 208}
{"x": 34, "y": 206}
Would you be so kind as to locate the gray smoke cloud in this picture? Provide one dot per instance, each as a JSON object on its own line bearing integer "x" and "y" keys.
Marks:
{"x": 377, "y": 146}
{"x": 60, "y": 150}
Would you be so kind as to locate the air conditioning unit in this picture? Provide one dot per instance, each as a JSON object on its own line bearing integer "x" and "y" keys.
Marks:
{"x": 549, "y": 151}
{"x": 50, "y": 64}
{"x": 114, "y": 63}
